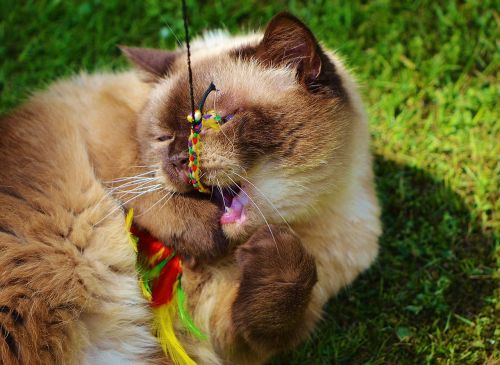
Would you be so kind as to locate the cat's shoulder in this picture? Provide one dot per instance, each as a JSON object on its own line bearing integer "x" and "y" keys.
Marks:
{"x": 125, "y": 87}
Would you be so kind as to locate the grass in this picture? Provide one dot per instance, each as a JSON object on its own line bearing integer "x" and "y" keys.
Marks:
{"x": 429, "y": 72}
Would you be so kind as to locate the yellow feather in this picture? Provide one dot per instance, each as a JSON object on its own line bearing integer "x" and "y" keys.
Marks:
{"x": 211, "y": 123}
{"x": 145, "y": 291}
{"x": 128, "y": 224}
{"x": 164, "y": 330}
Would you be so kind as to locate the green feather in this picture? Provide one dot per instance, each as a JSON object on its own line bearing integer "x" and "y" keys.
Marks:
{"x": 185, "y": 317}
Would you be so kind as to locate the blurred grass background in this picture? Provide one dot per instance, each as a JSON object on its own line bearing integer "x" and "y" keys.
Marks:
{"x": 429, "y": 72}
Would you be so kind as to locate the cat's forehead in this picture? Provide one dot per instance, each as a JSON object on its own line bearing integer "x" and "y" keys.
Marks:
{"x": 239, "y": 82}
{"x": 246, "y": 78}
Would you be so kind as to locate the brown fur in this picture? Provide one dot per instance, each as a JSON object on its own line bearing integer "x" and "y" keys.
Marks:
{"x": 299, "y": 135}
{"x": 277, "y": 278}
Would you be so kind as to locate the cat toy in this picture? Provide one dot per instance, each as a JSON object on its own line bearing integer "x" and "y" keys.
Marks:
{"x": 158, "y": 266}
{"x": 196, "y": 118}
{"x": 160, "y": 273}
{"x": 200, "y": 120}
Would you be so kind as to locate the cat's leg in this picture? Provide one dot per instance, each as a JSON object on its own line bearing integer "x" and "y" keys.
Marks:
{"x": 186, "y": 222}
{"x": 39, "y": 302}
{"x": 278, "y": 275}
{"x": 68, "y": 285}
{"x": 258, "y": 306}
{"x": 69, "y": 294}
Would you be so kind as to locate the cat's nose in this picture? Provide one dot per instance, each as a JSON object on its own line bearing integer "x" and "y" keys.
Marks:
{"x": 179, "y": 161}
{"x": 179, "y": 166}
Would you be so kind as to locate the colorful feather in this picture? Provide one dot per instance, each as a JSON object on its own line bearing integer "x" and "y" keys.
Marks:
{"x": 160, "y": 273}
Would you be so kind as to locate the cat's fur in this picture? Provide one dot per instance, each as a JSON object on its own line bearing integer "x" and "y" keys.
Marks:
{"x": 68, "y": 290}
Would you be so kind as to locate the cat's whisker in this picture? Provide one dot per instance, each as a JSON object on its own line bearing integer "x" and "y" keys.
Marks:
{"x": 132, "y": 184}
{"x": 222, "y": 195}
{"x": 169, "y": 194}
{"x": 265, "y": 197}
{"x": 133, "y": 190}
{"x": 141, "y": 174}
{"x": 166, "y": 201}
{"x": 149, "y": 189}
{"x": 121, "y": 206}
{"x": 241, "y": 168}
{"x": 234, "y": 137}
{"x": 135, "y": 195}
{"x": 132, "y": 181}
{"x": 201, "y": 176}
{"x": 211, "y": 190}
{"x": 138, "y": 190}
{"x": 130, "y": 177}
{"x": 262, "y": 214}
{"x": 258, "y": 208}
{"x": 110, "y": 191}
{"x": 231, "y": 142}
{"x": 173, "y": 193}
{"x": 134, "y": 187}
{"x": 139, "y": 166}
{"x": 173, "y": 33}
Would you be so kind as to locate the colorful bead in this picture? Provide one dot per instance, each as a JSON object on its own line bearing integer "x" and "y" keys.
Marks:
{"x": 209, "y": 120}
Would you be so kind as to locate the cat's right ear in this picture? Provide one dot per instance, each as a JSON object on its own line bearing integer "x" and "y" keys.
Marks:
{"x": 154, "y": 63}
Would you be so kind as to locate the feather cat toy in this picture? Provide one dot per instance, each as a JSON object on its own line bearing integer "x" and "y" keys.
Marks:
{"x": 160, "y": 273}
{"x": 159, "y": 267}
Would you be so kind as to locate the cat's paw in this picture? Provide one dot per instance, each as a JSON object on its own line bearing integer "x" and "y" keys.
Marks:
{"x": 277, "y": 279}
{"x": 202, "y": 240}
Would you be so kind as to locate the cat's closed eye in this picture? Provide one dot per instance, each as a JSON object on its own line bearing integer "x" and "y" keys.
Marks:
{"x": 226, "y": 119}
{"x": 164, "y": 138}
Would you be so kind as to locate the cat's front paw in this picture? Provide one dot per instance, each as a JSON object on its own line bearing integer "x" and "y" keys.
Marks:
{"x": 277, "y": 279}
{"x": 202, "y": 239}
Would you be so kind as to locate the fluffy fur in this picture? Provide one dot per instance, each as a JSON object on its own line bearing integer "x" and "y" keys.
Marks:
{"x": 298, "y": 146}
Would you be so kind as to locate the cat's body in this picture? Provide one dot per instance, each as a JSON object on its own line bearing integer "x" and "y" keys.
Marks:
{"x": 68, "y": 288}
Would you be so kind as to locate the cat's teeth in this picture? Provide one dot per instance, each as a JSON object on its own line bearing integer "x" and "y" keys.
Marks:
{"x": 228, "y": 210}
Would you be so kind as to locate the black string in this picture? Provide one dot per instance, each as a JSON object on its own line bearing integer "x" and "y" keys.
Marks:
{"x": 190, "y": 72}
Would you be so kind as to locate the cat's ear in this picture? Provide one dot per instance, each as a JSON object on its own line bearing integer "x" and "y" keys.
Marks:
{"x": 287, "y": 41}
{"x": 154, "y": 63}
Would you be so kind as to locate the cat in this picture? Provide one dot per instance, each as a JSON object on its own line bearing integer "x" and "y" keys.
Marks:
{"x": 299, "y": 218}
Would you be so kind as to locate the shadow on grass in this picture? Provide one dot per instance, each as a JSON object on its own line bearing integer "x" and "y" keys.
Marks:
{"x": 433, "y": 272}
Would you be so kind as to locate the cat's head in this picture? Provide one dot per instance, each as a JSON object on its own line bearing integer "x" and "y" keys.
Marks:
{"x": 284, "y": 142}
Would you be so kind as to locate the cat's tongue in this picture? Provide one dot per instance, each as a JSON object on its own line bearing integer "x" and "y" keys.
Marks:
{"x": 235, "y": 213}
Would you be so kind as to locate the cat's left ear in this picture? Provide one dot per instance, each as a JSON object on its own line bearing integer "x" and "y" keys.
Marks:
{"x": 155, "y": 63}
{"x": 287, "y": 41}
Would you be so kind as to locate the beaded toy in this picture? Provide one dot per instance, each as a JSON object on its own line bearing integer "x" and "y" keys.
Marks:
{"x": 200, "y": 120}
{"x": 160, "y": 272}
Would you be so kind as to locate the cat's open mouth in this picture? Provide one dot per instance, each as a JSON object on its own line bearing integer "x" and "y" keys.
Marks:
{"x": 233, "y": 201}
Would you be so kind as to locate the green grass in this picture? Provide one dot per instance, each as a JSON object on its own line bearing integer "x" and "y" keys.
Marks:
{"x": 429, "y": 72}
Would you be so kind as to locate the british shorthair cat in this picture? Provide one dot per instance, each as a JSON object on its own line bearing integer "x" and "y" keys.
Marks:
{"x": 292, "y": 218}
